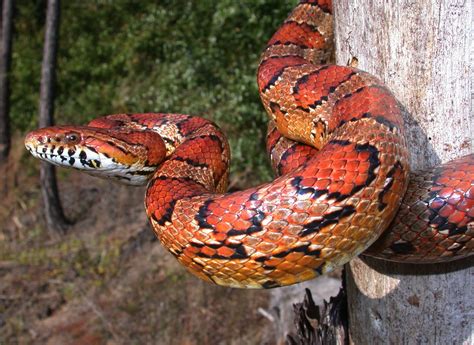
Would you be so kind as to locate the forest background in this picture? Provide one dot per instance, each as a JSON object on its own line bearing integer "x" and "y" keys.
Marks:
{"x": 108, "y": 280}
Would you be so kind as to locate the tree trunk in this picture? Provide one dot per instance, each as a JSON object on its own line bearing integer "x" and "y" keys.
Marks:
{"x": 421, "y": 50}
{"x": 5, "y": 64}
{"x": 55, "y": 219}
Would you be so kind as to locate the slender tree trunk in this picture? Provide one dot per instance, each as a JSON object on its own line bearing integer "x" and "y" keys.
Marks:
{"x": 5, "y": 66}
{"x": 421, "y": 50}
{"x": 54, "y": 214}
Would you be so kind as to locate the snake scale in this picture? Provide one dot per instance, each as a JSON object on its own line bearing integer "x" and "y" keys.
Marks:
{"x": 336, "y": 142}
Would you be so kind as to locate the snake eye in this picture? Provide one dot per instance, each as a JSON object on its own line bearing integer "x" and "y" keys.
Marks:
{"x": 72, "y": 138}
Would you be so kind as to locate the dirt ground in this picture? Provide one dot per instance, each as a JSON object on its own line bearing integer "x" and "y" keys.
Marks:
{"x": 108, "y": 280}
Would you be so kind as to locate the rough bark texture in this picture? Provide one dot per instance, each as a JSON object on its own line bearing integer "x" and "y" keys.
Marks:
{"x": 53, "y": 211}
{"x": 421, "y": 50}
{"x": 5, "y": 64}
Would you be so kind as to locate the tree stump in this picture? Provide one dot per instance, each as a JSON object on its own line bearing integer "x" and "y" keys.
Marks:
{"x": 421, "y": 50}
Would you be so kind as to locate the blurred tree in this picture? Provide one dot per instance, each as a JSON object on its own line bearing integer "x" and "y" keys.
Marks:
{"x": 5, "y": 64}
{"x": 55, "y": 219}
{"x": 194, "y": 57}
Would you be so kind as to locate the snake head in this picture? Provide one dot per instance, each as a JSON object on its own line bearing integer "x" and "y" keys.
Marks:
{"x": 127, "y": 155}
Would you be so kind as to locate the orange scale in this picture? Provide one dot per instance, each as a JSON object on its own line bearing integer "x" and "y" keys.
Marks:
{"x": 295, "y": 256}
{"x": 364, "y": 166}
{"x": 446, "y": 210}
{"x": 340, "y": 229}
{"x": 323, "y": 183}
{"x": 297, "y": 269}
{"x": 455, "y": 198}
{"x": 464, "y": 185}
{"x": 336, "y": 186}
{"x": 229, "y": 218}
{"x": 247, "y": 214}
{"x": 351, "y": 153}
{"x": 190, "y": 251}
{"x": 346, "y": 188}
{"x": 465, "y": 205}
{"x": 223, "y": 203}
{"x": 277, "y": 225}
{"x": 273, "y": 262}
{"x": 339, "y": 163}
{"x": 251, "y": 241}
{"x": 201, "y": 236}
{"x": 445, "y": 193}
{"x": 317, "y": 210}
{"x": 444, "y": 180}
{"x": 234, "y": 265}
{"x": 362, "y": 205}
{"x": 266, "y": 247}
{"x": 208, "y": 251}
{"x": 276, "y": 274}
{"x": 325, "y": 164}
{"x": 253, "y": 204}
{"x": 223, "y": 227}
{"x": 352, "y": 165}
{"x": 241, "y": 224}
{"x": 272, "y": 236}
{"x": 308, "y": 173}
{"x": 287, "y": 241}
{"x": 286, "y": 266}
{"x": 220, "y": 236}
{"x": 272, "y": 196}
{"x": 339, "y": 155}
{"x": 456, "y": 217}
{"x": 213, "y": 219}
{"x": 225, "y": 251}
{"x": 305, "y": 261}
{"x": 297, "y": 217}
{"x": 325, "y": 173}
{"x": 235, "y": 208}
{"x": 437, "y": 203}
{"x": 350, "y": 176}
{"x": 306, "y": 275}
{"x": 217, "y": 211}
{"x": 239, "y": 276}
{"x": 248, "y": 272}
{"x": 288, "y": 279}
{"x": 361, "y": 179}
{"x": 302, "y": 205}
{"x": 339, "y": 174}
{"x": 309, "y": 181}
{"x": 281, "y": 214}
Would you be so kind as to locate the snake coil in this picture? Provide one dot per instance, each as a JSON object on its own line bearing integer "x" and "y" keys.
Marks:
{"x": 336, "y": 142}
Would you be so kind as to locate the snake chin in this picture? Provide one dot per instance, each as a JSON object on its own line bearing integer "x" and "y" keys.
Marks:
{"x": 92, "y": 163}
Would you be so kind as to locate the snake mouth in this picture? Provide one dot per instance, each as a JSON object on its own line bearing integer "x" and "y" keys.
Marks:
{"x": 69, "y": 157}
{"x": 88, "y": 160}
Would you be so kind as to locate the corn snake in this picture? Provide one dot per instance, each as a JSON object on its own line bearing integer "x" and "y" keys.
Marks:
{"x": 336, "y": 141}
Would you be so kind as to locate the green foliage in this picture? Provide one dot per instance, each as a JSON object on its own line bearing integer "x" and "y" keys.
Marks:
{"x": 195, "y": 57}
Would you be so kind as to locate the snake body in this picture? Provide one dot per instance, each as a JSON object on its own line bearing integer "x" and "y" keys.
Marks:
{"x": 336, "y": 142}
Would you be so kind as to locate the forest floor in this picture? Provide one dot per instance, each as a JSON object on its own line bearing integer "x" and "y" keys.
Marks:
{"x": 108, "y": 280}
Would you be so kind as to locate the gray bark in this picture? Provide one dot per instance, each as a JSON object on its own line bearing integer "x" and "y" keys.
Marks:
{"x": 5, "y": 67}
{"x": 421, "y": 50}
{"x": 55, "y": 219}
